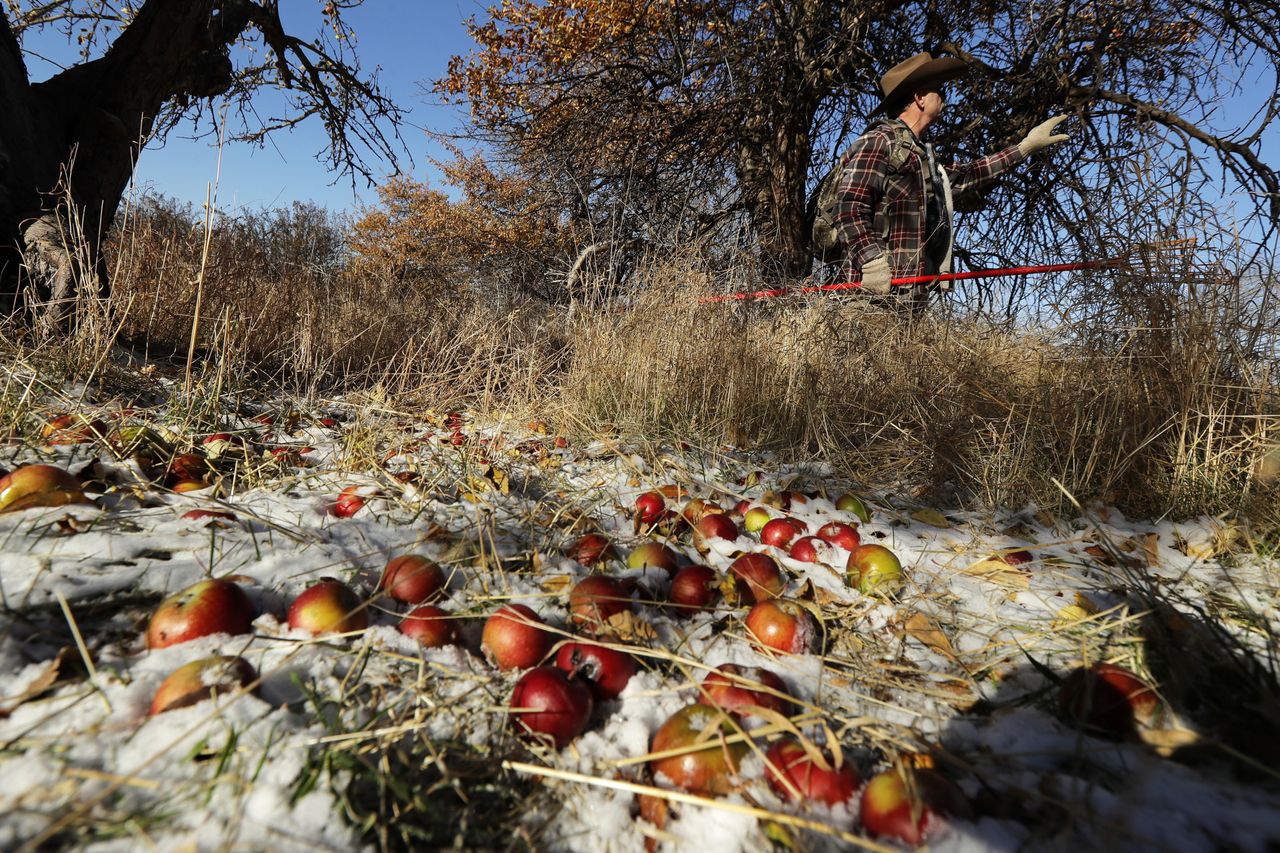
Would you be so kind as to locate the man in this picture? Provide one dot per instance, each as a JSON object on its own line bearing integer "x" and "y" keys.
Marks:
{"x": 892, "y": 208}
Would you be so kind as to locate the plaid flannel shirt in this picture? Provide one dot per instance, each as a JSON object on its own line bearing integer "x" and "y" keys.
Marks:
{"x": 881, "y": 200}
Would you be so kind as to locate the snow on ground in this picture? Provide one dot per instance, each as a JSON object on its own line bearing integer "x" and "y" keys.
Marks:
{"x": 958, "y": 665}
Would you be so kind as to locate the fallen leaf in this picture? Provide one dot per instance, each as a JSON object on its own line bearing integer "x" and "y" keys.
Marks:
{"x": 1167, "y": 741}
{"x": 53, "y": 672}
{"x": 998, "y": 572}
{"x": 931, "y": 517}
{"x": 556, "y": 583}
{"x": 1151, "y": 548}
{"x": 925, "y": 630}
{"x": 628, "y": 627}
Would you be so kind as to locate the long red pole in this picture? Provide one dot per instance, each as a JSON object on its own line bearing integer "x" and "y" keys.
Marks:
{"x": 918, "y": 279}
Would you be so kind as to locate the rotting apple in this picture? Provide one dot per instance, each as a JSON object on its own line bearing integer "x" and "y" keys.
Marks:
{"x": 39, "y": 485}
{"x": 787, "y": 760}
{"x": 849, "y": 502}
{"x": 606, "y": 670}
{"x": 781, "y": 531}
{"x": 214, "y": 606}
{"x": 412, "y": 579}
{"x": 693, "y": 589}
{"x": 874, "y": 569}
{"x": 705, "y": 762}
{"x": 591, "y": 549}
{"x": 328, "y": 606}
{"x": 783, "y": 626}
{"x": 757, "y": 577}
{"x": 650, "y": 506}
{"x": 1108, "y": 699}
{"x": 842, "y": 535}
{"x": 431, "y": 626}
{"x": 546, "y": 702}
{"x": 596, "y": 599}
{"x": 734, "y": 688}
{"x": 202, "y": 679}
{"x": 514, "y": 637}
{"x": 653, "y": 554}
{"x": 903, "y": 804}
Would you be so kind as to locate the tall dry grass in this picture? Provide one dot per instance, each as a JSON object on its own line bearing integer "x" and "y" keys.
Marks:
{"x": 1153, "y": 387}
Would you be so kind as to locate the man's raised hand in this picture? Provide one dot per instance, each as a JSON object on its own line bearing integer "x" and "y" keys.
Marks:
{"x": 1042, "y": 136}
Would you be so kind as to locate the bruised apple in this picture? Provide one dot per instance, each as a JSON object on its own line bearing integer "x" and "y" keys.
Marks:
{"x": 757, "y": 577}
{"x": 794, "y": 775}
{"x": 606, "y": 670}
{"x": 902, "y": 804}
{"x": 202, "y": 679}
{"x": 693, "y": 589}
{"x": 546, "y": 702}
{"x": 514, "y": 637}
{"x": 595, "y": 600}
{"x": 39, "y": 485}
{"x": 328, "y": 606}
{"x": 207, "y": 607}
{"x": 734, "y": 688}
{"x": 782, "y": 626}
{"x": 705, "y": 762}
{"x": 1107, "y": 699}
{"x": 431, "y": 626}
{"x": 874, "y": 569}
{"x": 412, "y": 579}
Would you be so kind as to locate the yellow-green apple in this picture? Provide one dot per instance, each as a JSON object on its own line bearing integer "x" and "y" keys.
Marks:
{"x": 208, "y": 607}
{"x": 756, "y": 518}
{"x": 1108, "y": 699}
{"x": 202, "y": 679}
{"x": 794, "y": 775}
{"x": 412, "y": 579}
{"x": 431, "y": 626}
{"x": 591, "y": 549}
{"x": 849, "y": 502}
{"x": 546, "y": 702}
{"x": 606, "y": 670}
{"x": 655, "y": 554}
{"x": 693, "y": 589}
{"x": 757, "y": 577}
{"x": 874, "y": 569}
{"x": 650, "y": 506}
{"x": 705, "y": 762}
{"x": 328, "y": 606}
{"x": 781, "y": 531}
{"x": 39, "y": 485}
{"x": 514, "y": 637}
{"x": 840, "y": 534}
{"x": 902, "y": 804}
{"x": 596, "y": 599}
{"x": 734, "y": 688}
{"x": 783, "y": 626}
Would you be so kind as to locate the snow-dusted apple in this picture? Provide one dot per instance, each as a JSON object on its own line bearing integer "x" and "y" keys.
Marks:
{"x": 842, "y": 535}
{"x": 705, "y": 762}
{"x": 207, "y": 607}
{"x": 811, "y": 549}
{"x": 606, "y": 670}
{"x": 757, "y": 577}
{"x": 412, "y": 579}
{"x": 349, "y": 502}
{"x": 733, "y": 688}
{"x": 1108, "y": 699}
{"x": 717, "y": 525}
{"x": 208, "y": 515}
{"x": 902, "y": 804}
{"x": 431, "y": 626}
{"x": 202, "y": 679}
{"x": 328, "y": 606}
{"x": 795, "y": 776}
{"x": 595, "y": 600}
{"x": 1016, "y": 558}
{"x": 874, "y": 569}
{"x": 39, "y": 485}
{"x": 693, "y": 589}
{"x": 782, "y": 626}
{"x": 514, "y": 637}
{"x": 546, "y": 702}
{"x": 653, "y": 554}
{"x": 780, "y": 532}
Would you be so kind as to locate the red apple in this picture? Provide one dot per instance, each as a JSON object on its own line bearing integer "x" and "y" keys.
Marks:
{"x": 780, "y": 531}
{"x": 757, "y": 577}
{"x": 607, "y": 671}
{"x": 328, "y": 606}
{"x": 733, "y": 688}
{"x": 548, "y": 702}
{"x": 754, "y": 519}
{"x": 430, "y": 626}
{"x": 849, "y": 502}
{"x": 654, "y": 554}
{"x": 187, "y": 466}
{"x": 203, "y": 514}
{"x": 811, "y": 549}
{"x": 896, "y": 807}
{"x": 349, "y": 502}
{"x": 208, "y": 607}
{"x": 1016, "y": 558}
{"x": 1108, "y": 699}
{"x": 840, "y": 534}
{"x": 39, "y": 485}
{"x": 717, "y": 525}
{"x": 202, "y": 679}
{"x": 595, "y": 599}
{"x": 591, "y": 549}
{"x": 694, "y": 588}
{"x": 649, "y": 507}
{"x": 788, "y": 760}
{"x": 874, "y": 569}
{"x": 182, "y": 487}
{"x": 514, "y": 638}
{"x": 783, "y": 626}
{"x": 412, "y": 579}
{"x": 706, "y": 763}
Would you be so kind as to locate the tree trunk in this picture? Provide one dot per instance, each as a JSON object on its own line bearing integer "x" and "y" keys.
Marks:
{"x": 68, "y": 147}
{"x": 773, "y": 164}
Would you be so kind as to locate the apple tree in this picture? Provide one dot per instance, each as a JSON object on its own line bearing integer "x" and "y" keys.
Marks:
{"x": 69, "y": 144}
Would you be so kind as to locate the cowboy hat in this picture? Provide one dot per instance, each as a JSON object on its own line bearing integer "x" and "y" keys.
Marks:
{"x": 908, "y": 75}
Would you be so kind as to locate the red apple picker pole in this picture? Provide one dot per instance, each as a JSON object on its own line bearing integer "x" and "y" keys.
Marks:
{"x": 906, "y": 281}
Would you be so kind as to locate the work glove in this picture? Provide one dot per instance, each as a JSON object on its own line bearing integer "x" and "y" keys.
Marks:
{"x": 1042, "y": 136}
{"x": 876, "y": 276}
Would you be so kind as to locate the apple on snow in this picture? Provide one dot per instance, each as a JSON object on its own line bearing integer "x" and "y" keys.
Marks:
{"x": 208, "y": 607}
{"x": 328, "y": 606}
{"x": 514, "y": 637}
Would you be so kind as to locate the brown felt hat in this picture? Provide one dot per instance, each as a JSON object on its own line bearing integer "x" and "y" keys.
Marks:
{"x": 908, "y": 75}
